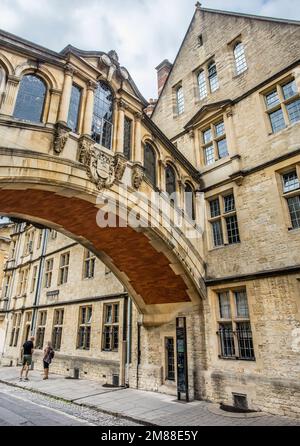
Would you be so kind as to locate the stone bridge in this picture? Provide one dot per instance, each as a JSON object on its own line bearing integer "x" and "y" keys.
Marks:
{"x": 78, "y": 154}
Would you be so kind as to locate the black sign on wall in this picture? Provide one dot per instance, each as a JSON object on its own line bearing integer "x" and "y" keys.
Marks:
{"x": 182, "y": 370}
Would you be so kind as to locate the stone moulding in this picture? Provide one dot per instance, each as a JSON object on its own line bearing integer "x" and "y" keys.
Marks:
{"x": 61, "y": 135}
{"x": 102, "y": 168}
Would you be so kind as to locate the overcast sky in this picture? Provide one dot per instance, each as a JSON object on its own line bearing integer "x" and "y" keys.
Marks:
{"x": 143, "y": 32}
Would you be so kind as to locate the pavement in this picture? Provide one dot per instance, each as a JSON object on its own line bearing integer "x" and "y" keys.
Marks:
{"x": 148, "y": 408}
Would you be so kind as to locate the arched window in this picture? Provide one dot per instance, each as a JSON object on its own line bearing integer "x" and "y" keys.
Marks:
{"x": 240, "y": 58}
{"x": 202, "y": 85}
{"x": 2, "y": 80}
{"x": 180, "y": 100}
{"x": 103, "y": 115}
{"x": 189, "y": 200}
{"x": 213, "y": 77}
{"x": 170, "y": 181}
{"x": 150, "y": 163}
{"x": 31, "y": 99}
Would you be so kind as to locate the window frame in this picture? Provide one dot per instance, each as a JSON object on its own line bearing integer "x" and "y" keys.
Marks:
{"x": 57, "y": 328}
{"x": 282, "y": 103}
{"x": 89, "y": 259}
{"x": 235, "y": 321}
{"x": 237, "y": 57}
{"x": 45, "y": 105}
{"x": 63, "y": 271}
{"x": 222, "y": 218}
{"x": 80, "y": 89}
{"x": 40, "y": 329}
{"x": 111, "y": 326}
{"x": 285, "y": 196}
{"x": 214, "y": 142}
{"x": 84, "y": 343}
{"x": 179, "y": 101}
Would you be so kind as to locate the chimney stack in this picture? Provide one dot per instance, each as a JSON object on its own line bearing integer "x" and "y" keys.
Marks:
{"x": 163, "y": 70}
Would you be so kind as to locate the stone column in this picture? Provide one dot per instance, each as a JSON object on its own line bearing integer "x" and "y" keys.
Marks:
{"x": 120, "y": 130}
{"x": 138, "y": 152}
{"x": 10, "y": 97}
{"x": 162, "y": 176}
{"x": 66, "y": 95}
{"x": 89, "y": 108}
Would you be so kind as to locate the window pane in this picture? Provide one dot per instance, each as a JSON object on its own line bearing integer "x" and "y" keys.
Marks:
{"x": 217, "y": 233}
{"x": 170, "y": 180}
{"x": 222, "y": 148}
{"x": 224, "y": 305}
{"x": 103, "y": 115}
{"x": 240, "y": 59}
{"x": 180, "y": 100}
{"x": 127, "y": 137}
{"x": 232, "y": 229}
{"x": 207, "y": 136}
{"x": 294, "y": 208}
{"x": 108, "y": 314}
{"x": 202, "y": 85}
{"x": 220, "y": 129}
{"x": 213, "y": 78}
{"x": 74, "y": 108}
{"x": 214, "y": 208}
{"x": 241, "y": 304}
{"x": 293, "y": 110}
{"x": 226, "y": 340}
{"x": 289, "y": 90}
{"x": 209, "y": 155}
{"x": 272, "y": 99}
{"x": 245, "y": 341}
{"x": 30, "y": 99}
{"x": 290, "y": 181}
{"x": 189, "y": 201}
{"x": 277, "y": 120}
{"x": 229, "y": 204}
{"x": 150, "y": 163}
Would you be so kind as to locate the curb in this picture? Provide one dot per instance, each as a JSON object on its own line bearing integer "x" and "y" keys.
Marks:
{"x": 88, "y": 406}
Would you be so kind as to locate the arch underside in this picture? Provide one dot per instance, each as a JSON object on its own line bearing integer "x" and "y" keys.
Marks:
{"x": 144, "y": 270}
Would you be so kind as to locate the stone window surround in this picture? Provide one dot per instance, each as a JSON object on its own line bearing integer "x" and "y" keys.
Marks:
{"x": 283, "y": 102}
{"x": 63, "y": 267}
{"x": 86, "y": 326}
{"x": 57, "y": 329}
{"x": 90, "y": 259}
{"x": 214, "y": 195}
{"x": 285, "y": 195}
{"x": 175, "y": 88}
{"x": 231, "y": 46}
{"x": 15, "y": 329}
{"x": 231, "y": 288}
{"x": 40, "y": 329}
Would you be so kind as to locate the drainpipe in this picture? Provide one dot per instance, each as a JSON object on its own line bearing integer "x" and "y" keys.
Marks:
{"x": 129, "y": 335}
{"x": 39, "y": 282}
{"x": 123, "y": 358}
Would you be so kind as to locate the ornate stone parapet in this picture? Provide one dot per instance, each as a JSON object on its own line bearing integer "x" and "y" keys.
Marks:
{"x": 61, "y": 135}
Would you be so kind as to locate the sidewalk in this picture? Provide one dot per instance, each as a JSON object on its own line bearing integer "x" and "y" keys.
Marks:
{"x": 145, "y": 407}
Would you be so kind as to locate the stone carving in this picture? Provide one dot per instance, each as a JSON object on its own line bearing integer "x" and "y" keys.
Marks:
{"x": 61, "y": 134}
{"x": 137, "y": 175}
{"x": 101, "y": 167}
{"x": 120, "y": 165}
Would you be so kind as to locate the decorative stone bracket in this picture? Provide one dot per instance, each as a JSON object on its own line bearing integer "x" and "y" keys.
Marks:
{"x": 61, "y": 135}
{"x": 102, "y": 168}
{"x": 137, "y": 175}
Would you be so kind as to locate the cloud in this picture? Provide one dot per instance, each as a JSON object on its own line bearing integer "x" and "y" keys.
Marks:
{"x": 143, "y": 32}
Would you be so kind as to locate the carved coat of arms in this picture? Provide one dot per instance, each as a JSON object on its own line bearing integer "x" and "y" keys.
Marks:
{"x": 101, "y": 168}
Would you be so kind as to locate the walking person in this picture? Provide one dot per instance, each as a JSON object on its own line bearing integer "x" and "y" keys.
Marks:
{"x": 27, "y": 358}
{"x": 48, "y": 356}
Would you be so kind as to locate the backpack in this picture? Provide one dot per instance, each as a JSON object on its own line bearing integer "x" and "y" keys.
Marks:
{"x": 51, "y": 354}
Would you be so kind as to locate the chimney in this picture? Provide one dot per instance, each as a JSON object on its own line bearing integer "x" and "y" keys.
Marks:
{"x": 163, "y": 70}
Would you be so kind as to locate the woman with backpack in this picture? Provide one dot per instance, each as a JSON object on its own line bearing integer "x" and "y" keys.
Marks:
{"x": 48, "y": 356}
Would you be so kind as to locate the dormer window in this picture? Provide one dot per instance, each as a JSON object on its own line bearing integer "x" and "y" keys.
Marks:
{"x": 240, "y": 58}
{"x": 213, "y": 77}
{"x": 180, "y": 100}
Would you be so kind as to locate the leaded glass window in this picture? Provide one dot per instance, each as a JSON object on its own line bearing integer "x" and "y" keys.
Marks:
{"x": 213, "y": 77}
{"x": 180, "y": 100}
{"x": 240, "y": 58}
{"x": 127, "y": 137}
{"x": 170, "y": 181}
{"x": 102, "y": 125}
{"x": 150, "y": 163}
{"x": 202, "y": 85}
{"x": 73, "y": 115}
{"x": 189, "y": 199}
{"x": 290, "y": 181}
{"x": 30, "y": 99}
